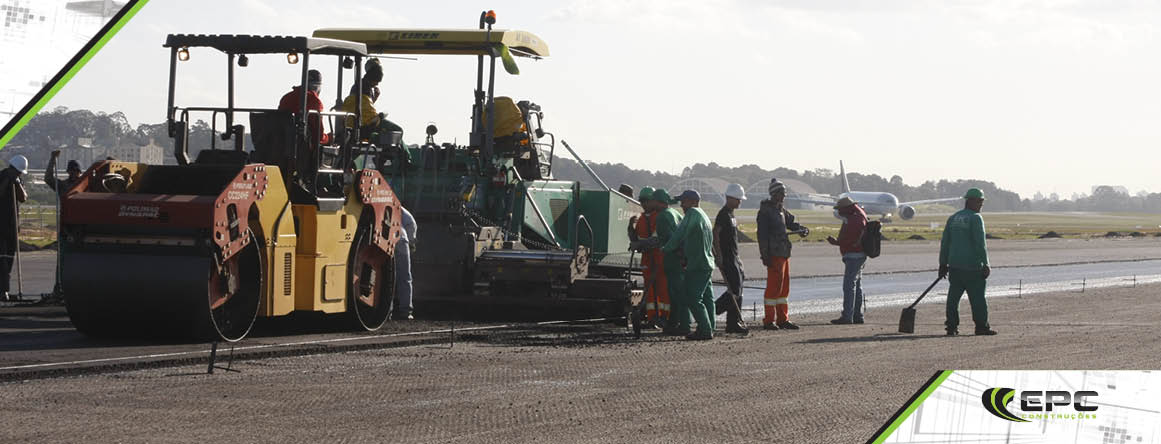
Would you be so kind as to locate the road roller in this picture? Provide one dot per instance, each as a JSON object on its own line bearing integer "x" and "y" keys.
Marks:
{"x": 498, "y": 233}
{"x": 199, "y": 249}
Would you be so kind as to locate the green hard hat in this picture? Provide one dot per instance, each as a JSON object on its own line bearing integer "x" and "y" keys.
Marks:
{"x": 645, "y": 194}
{"x": 662, "y": 195}
{"x": 974, "y": 193}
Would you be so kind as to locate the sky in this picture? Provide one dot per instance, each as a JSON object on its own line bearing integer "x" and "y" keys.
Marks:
{"x": 41, "y": 30}
{"x": 1034, "y": 95}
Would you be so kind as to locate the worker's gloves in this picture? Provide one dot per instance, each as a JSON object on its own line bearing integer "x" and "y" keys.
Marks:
{"x": 632, "y": 228}
{"x": 765, "y": 261}
{"x": 804, "y": 232}
{"x": 943, "y": 271}
{"x": 987, "y": 271}
{"x": 411, "y": 247}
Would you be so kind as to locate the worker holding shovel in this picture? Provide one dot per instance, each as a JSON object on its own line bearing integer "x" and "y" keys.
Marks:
{"x": 963, "y": 258}
{"x": 61, "y": 187}
{"x": 12, "y": 194}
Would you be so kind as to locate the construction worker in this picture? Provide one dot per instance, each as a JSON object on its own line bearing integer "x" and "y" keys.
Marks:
{"x": 403, "y": 250}
{"x": 668, "y": 219}
{"x": 728, "y": 260}
{"x": 291, "y": 102}
{"x": 656, "y": 293}
{"x": 12, "y": 193}
{"x": 774, "y": 227}
{"x": 851, "y": 248}
{"x": 60, "y": 186}
{"x": 963, "y": 259}
{"x": 694, "y": 237}
{"x": 372, "y": 120}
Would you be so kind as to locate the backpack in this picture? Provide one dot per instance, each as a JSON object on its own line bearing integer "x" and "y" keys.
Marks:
{"x": 872, "y": 238}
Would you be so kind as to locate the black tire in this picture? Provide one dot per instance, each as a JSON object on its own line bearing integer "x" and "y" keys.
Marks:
{"x": 379, "y": 272}
{"x": 232, "y": 320}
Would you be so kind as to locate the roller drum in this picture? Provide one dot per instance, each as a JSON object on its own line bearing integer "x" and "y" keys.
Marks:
{"x": 161, "y": 292}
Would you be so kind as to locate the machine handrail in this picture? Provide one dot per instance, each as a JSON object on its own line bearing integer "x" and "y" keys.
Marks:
{"x": 585, "y": 165}
{"x": 576, "y": 234}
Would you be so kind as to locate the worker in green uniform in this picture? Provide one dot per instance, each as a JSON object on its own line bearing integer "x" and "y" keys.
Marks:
{"x": 963, "y": 259}
{"x": 695, "y": 237}
{"x": 667, "y": 221}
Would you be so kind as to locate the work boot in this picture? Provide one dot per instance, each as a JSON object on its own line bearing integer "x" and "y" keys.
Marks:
{"x": 770, "y": 326}
{"x": 4, "y": 297}
{"x": 986, "y": 331}
{"x": 841, "y": 321}
{"x": 952, "y": 332}
{"x": 787, "y": 326}
{"x": 700, "y": 336}
{"x": 737, "y": 327}
{"x": 859, "y": 321}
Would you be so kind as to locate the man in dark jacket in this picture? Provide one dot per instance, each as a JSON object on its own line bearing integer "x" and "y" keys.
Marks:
{"x": 728, "y": 261}
{"x": 12, "y": 193}
{"x": 58, "y": 185}
{"x": 774, "y": 226}
{"x": 851, "y": 247}
{"x": 61, "y": 187}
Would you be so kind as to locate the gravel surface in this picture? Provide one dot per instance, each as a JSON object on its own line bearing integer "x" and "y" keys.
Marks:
{"x": 590, "y": 383}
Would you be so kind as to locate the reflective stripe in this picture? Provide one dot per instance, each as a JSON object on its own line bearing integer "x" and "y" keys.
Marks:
{"x": 772, "y": 301}
{"x": 650, "y": 306}
{"x": 780, "y": 301}
{"x": 664, "y": 306}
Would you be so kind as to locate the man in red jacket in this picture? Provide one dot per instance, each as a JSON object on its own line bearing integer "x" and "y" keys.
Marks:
{"x": 851, "y": 247}
{"x": 292, "y": 103}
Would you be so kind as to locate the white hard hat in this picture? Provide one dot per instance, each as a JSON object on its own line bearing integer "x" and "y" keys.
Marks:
{"x": 735, "y": 191}
{"x": 20, "y": 163}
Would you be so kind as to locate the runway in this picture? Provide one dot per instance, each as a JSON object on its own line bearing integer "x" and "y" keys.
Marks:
{"x": 42, "y": 339}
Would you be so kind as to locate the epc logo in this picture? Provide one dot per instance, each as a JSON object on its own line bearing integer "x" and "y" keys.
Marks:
{"x": 1033, "y": 402}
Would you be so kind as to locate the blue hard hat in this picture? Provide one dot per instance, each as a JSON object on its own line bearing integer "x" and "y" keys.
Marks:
{"x": 689, "y": 194}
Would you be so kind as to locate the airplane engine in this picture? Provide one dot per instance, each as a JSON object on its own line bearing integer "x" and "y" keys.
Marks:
{"x": 907, "y": 212}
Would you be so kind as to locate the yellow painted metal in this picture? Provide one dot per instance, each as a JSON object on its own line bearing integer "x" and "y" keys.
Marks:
{"x": 439, "y": 41}
{"x": 275, "y": 230}
{"x": 324, "y": 244}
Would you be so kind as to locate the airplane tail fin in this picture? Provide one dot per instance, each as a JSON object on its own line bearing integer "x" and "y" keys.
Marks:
{"x": 843, "y": 174}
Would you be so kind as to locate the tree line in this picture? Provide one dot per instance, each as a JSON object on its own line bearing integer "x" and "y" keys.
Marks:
{"x": 63, "y": 127}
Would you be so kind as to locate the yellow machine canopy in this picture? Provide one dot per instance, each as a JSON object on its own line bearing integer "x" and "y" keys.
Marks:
{"x": 440, "y": 41}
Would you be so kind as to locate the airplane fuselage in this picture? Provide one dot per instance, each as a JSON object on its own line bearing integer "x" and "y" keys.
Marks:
{"x": 883, "y": 204}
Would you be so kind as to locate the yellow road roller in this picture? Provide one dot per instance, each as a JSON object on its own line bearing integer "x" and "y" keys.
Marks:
{"x": 199, "y": 249}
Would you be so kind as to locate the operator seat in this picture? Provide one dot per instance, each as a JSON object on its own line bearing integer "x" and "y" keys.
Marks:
{"x": 273, "y": 135}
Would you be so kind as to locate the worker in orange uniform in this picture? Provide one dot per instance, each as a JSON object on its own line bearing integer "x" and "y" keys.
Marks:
{"x": 774, "y": 227}
{"x": 656, "y": 290}
{"x": 291, "y": 102}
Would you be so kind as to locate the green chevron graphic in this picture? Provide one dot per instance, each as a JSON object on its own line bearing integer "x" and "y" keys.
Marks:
{"x": 69, "y": 70}
{"x": 996, "y": 402}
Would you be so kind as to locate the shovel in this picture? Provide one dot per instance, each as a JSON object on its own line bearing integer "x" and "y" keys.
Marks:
{"x": 907, "y": 320}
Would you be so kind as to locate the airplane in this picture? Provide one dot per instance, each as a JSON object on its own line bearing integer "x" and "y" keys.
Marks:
{"x": 879, "y": 203}
{"x": 99, "y": 8}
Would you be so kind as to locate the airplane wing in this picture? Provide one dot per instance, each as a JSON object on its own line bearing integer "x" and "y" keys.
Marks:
{"x": 809, "y": 201}
{"x": 930, "y": 201}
